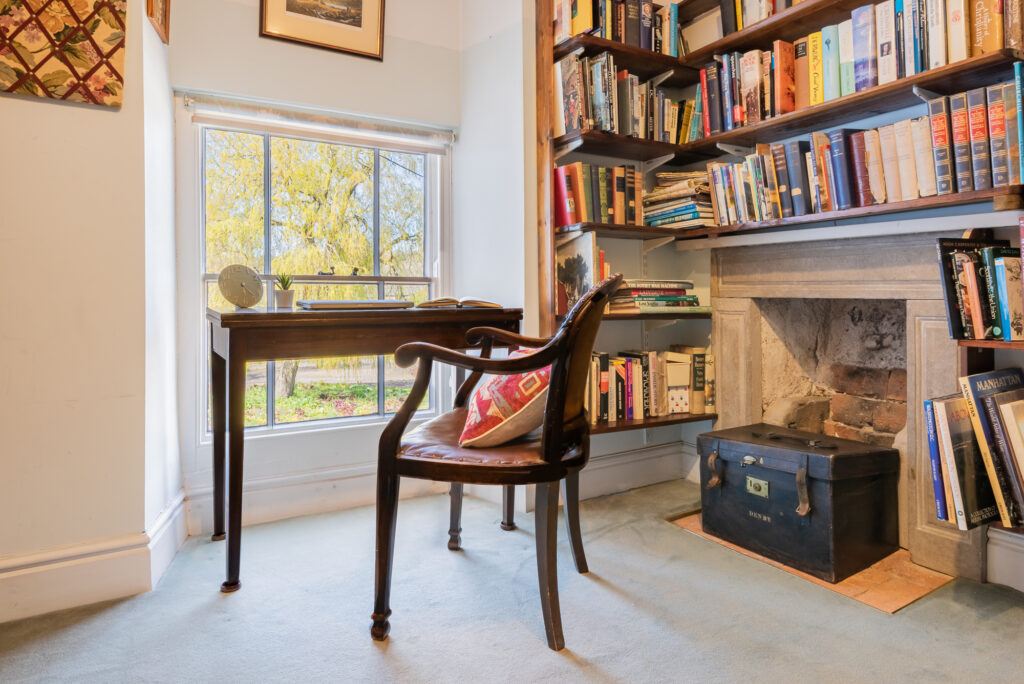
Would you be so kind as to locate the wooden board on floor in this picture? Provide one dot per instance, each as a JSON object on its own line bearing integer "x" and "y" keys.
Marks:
{"x": 889, "y": 585}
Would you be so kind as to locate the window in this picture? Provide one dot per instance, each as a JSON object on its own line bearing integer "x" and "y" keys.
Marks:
{"x": 346, "y": 221}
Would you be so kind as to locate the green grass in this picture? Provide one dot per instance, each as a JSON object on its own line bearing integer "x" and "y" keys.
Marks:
{"x": 320, "y": 400}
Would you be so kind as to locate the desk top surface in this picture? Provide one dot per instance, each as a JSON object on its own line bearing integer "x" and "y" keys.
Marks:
{"x": 230, "y": 317}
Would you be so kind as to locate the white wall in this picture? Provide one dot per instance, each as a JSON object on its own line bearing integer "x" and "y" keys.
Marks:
{"x": 73, "y": 344}
{"x": 216, "y": 47}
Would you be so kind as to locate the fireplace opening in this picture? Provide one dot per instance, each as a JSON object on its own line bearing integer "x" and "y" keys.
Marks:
{"x": 835, "y": 366}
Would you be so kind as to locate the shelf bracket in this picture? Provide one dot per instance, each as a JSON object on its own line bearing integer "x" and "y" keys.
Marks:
{"x": 924, "y": 94}
{"x": 651, "y": 164}
{"x": 661, "y": 78}
{"x": 654, "y": 243}
{"x": 568, "y": 148}
{"x": 734, "y": 150}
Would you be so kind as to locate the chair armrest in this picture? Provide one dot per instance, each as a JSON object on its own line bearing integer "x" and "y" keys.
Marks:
{"x": 408, "y": 354}
{"x": 475, "y": 335}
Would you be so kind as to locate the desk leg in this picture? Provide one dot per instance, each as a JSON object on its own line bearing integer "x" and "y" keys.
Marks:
{"x": 236, "y": 440}
{"x": 218, "y": 409}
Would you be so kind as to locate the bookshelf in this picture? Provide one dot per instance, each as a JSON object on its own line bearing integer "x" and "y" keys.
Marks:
{"x": 626, "y": 232}
{"x": 660, "y": 421}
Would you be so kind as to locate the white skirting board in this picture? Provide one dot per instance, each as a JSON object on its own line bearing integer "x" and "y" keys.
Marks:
{"x": 1006, "y": 558}
{"x": 307, "y": 493}
{"x": 55, "y": 579}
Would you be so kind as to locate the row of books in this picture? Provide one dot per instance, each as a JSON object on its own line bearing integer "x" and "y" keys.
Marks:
{"x": 981, "y": 281}
{"x": 679, "y": 199}
{"x": 592, "y": 94}
{"x": 588, "y": 193}
{"x": 969, "y": 141}
{"x": 635, "y": 385}
{"x": 655, "y": 296}
{"x": 976, "y": 445}
{"x": 638, "y": 23}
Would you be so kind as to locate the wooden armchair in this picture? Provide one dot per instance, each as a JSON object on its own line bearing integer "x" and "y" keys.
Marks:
{"x": 555, "y": 452}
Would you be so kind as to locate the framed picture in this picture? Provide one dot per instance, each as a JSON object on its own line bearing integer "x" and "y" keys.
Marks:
{"x": 159, "y": 13}
{"x": 355, "y": 26}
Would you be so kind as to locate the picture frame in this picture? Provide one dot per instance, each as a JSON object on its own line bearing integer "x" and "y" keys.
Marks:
{"x": 352, "y": 26}
{"x": 159, "y": 13}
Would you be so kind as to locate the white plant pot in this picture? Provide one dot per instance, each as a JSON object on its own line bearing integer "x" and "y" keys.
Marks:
{"x": 283, "y": 299}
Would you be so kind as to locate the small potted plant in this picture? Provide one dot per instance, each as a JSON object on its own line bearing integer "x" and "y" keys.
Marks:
{"x": 285, "y": 295}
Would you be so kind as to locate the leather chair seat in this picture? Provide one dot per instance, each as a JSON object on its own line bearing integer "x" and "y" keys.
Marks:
{"x": 438, "y": 440}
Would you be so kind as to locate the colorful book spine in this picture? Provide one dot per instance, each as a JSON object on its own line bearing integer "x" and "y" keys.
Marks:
{"x": 1018, "y": 87}
{"x": 847, "y": 84}
{"x": 858, "y": 162}
{"x": 725, "y": 69}
{"x": 830, "y": 62}
{"x": 978, "y": 124}
{"x": 646, "y": 24}
{"x": 961, "y": 131}
{"x": 816, "y": 69}
{"x": 997, "y": 136}
{"x": 750, "y": 83}
{"x": 865, "y": 64}
{"x": 935, "y": 459}
{"x": 784, "y": 77}
{"x": 802, "y": 73}
{"x": 986, "y": 27}
{"x": 1010, "y": 126}
{"x": 782, "y": 179}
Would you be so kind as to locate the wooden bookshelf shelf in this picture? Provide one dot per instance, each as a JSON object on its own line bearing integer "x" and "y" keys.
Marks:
{"x": 1002, "y": 199}
{"x": 672, "y": 315}
{"x": 626, "y": 232}
{"x": 645, "y": 64}
{"x": 990, "y": 344}
{"x": 953, "y": 78}
{"x": 660, "y": 421}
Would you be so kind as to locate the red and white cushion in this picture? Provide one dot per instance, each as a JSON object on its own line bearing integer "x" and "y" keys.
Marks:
{"x": 504, "y": 407}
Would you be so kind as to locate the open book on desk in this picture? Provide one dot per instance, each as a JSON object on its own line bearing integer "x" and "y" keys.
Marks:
{"x": 464, "y": 302}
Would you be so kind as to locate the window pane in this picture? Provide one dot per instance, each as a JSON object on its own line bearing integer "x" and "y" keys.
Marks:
{"x": 321, "y": 207}
{"x": 406, "y": 292}
{"x": 255, "y": 394}
{"x": 402, "y": 190}
{"x": 325, "y": 388}
{"x": 234, "y": 200}
{"x": 334, "y": 291}
{"x": 397, "y": 383}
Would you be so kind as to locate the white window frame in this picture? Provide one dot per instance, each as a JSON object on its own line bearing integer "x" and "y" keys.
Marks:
{"x": 296, "y": 453}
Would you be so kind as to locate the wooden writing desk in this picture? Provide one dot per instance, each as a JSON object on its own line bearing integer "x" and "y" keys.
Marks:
{"x": 238, "y": 336}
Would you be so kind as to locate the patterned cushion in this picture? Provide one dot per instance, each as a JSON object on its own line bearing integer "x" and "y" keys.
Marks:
{"x": 504, "y": 407}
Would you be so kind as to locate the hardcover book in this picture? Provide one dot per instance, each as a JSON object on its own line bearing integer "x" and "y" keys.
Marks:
{"x": 911, "y": 38}
{"x": 1008, "y": 284}
{"x": 714, "y": 98}
{"x": 750, "y": 85}
{"x": 991, "y": 287}
{"x": 802, "y": 73}
{"x": 784, "y": 75}
{"x": 922, "y": 133}
{"x": 961, "y": 142}
{"x": 816, "y": 68}
{"x": 978, "y": 125}
{"x": 997, "y": 136}
{"x": 576, "y": 270}
{"x": 830, "y": 61}
{"x": 778, "y": 153}
{"x": 873, "y": 159}
{"x": 958, "y": 27}
{"x": 820, "y": 144}
{"x": 847, "y": 84}
{"x": 973, "y": 500}
{"x": 935, "y": 458}
{"x": 1010, "y": 124}
{"x": 796, "y": 151}
{"x": 885, "y": 37}
{"x": 906, "y": 159}
{"x": 890, "y": 163}
{"x": 986, "y": 27}
{"x": 1013, "y": 24}
{"x": 840, "y": 166}
{"x": 858, "y": 162}
{"x": 865, "y": 64}
{"x": 974, "y": 388}
{"x": 936, "y": 10}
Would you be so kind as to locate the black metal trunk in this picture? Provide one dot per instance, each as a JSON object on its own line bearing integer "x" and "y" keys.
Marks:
{"x": 822, "y": 505}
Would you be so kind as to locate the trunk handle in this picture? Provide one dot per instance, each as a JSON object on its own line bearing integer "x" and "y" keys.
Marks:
{"x": 715, "y": 478}
{"x": 803, "y": 499}
{"x": 812, "y": 443}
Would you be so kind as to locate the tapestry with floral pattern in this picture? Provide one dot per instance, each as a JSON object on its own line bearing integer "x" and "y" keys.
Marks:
{"x": 63, "y": 49}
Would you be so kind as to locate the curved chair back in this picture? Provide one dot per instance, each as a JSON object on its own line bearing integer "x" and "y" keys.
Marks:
{"x": 564, "y": 417}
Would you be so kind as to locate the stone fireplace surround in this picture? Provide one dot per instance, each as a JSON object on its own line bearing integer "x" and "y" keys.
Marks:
{"x": 900, "y": 267}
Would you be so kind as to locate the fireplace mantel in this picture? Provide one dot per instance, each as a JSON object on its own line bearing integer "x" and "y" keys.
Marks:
{"x": 900, "y": 267}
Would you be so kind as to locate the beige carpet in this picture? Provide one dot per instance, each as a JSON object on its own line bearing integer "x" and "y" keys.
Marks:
{"x": 889, "y": 585}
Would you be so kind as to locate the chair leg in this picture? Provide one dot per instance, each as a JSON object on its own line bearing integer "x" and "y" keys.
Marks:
{"x": 571, "y": 501}
{"x": 508, "y": 507}
{"x": 546, "y": 515}
{"x": 455, "y": 526}
{"x": 387, "y": 514}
